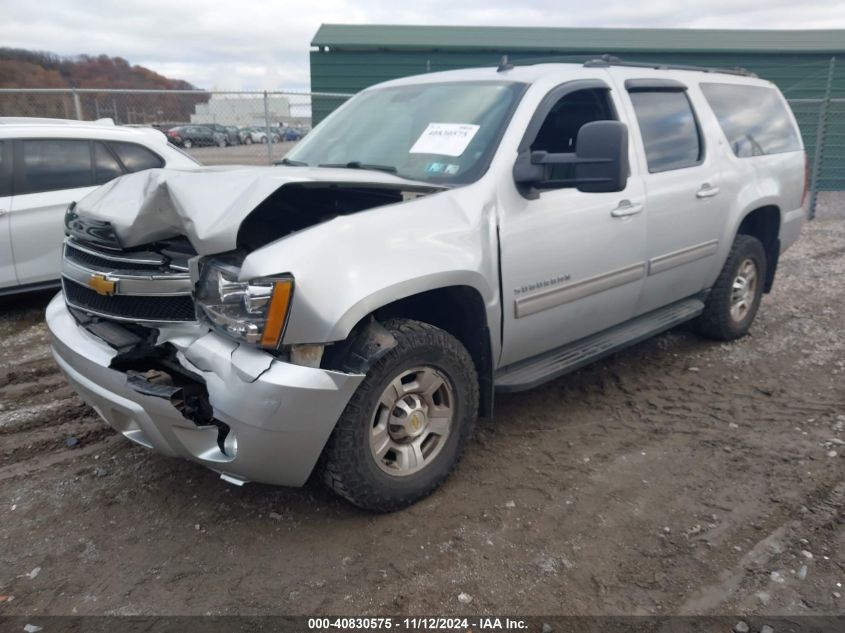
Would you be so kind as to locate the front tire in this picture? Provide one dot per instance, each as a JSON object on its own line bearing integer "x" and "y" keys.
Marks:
{"x": 735, "y": 297}
{"x": 407, "y": 425}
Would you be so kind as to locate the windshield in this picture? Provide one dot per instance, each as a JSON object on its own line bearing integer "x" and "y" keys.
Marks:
{"x": 443, "y": 133}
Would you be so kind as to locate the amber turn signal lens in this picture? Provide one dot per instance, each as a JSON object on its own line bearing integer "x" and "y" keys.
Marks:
{"x": 277, "y": 314}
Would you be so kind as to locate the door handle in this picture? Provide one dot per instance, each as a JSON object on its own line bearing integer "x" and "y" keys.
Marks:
{"x": 3, "y": 212}
{"x": 626, "y": 209}
{"x": 707, "y": 191}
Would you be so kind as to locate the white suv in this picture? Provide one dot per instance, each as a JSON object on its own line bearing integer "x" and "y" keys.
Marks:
{"x": 45, "y": 164}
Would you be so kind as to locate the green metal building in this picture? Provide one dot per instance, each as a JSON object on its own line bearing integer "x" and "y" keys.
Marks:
{"x": 808, "y": 66}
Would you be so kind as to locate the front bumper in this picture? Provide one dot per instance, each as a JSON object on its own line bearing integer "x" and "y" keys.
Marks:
{"x": 280, "y": 415}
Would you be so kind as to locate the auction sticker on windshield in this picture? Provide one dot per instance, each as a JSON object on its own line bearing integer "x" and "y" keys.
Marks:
{"x": 445, "y": 139}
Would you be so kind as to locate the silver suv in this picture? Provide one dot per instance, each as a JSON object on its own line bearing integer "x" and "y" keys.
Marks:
{"x": 435, "y": 239}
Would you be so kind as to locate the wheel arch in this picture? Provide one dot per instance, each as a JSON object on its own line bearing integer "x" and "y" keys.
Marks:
{"x": 763, "y": 222}
{"x": 458, "y": 309}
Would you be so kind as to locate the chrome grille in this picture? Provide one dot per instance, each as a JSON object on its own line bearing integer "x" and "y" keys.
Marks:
{"x": 135, "y": 286}
{"x": 128, "y": 307}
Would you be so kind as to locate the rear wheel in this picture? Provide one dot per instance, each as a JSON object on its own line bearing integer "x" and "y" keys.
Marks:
{"x": 735, "y": 297}
{"x": 187, "y": 143}
{"x": 248, "y": 140}
{"x": 407, "y": 425}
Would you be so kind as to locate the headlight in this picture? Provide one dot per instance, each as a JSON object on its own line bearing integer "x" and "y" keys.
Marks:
{"x": 255, "y": 311}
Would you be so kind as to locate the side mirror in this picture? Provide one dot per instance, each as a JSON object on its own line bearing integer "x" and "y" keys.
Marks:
{"x": 601, "y": 161}
{"x": 602, "y": 157}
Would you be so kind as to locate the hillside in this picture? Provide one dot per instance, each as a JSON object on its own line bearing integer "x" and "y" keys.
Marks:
{"x": 35, "y": 69}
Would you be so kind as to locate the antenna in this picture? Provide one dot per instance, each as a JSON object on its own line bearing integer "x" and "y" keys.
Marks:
{"x": 504, "y": 65}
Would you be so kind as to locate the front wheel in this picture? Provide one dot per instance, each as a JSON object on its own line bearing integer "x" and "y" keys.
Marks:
{"x": 735, "y": 297}
{"x": 406, "y": 427}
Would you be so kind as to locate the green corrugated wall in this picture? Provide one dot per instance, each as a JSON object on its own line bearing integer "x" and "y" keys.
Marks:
{"x": 801, "y": 76}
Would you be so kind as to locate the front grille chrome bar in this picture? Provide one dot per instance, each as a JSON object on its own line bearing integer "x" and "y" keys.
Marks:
{"x": 129, "y": 286}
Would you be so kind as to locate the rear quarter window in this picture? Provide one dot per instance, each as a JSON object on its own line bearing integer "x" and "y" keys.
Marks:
{"x": 754, "y": 119}
{"x": 135, "y": 157}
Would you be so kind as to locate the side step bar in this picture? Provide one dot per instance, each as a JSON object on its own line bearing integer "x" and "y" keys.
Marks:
{"x": 535, "y": 371}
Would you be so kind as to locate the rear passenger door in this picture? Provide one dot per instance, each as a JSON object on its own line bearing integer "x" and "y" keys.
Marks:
{"x": 49, "y": 175}
{"x": 685, "y": 211}
{"x": 7, "y": 262}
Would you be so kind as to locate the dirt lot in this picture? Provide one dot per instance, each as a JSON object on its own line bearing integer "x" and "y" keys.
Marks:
{"x": 255, "y": 154}
{"x": 681, "y": 476}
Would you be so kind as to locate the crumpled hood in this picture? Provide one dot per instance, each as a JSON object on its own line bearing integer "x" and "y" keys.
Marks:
{"x": 206, "y": 205}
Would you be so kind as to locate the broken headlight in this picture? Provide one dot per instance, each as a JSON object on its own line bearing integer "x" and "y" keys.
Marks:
{"x": 254, "y": 311}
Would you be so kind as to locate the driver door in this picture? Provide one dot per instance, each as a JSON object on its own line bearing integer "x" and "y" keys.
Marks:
{"x": 573, "y": 263}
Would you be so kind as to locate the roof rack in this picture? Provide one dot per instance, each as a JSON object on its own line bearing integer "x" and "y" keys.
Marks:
{"x": 604, "y": 61}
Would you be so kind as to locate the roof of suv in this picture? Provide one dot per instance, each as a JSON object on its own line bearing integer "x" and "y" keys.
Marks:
{"x": 534, "y": 72}
{"x": 15, "y": 127}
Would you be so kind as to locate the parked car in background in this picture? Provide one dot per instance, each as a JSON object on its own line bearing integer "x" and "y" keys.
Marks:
{"x": 290, "y": 134}
{"x": 254, "y": 134}
{"x": 230, "y": 132}
{"x": 189, "y": 136}
{"x": 45, "y": 164}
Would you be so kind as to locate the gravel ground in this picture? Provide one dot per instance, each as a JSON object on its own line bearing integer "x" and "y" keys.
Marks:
{"x": 255, "y": 154}
{"x": 680, "y": 476}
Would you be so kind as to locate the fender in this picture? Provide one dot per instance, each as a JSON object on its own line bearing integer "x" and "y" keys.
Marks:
{"x": 346, "y": 268}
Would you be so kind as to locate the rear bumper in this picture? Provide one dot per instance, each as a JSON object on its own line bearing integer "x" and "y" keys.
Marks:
{"x": 279, "y": 415}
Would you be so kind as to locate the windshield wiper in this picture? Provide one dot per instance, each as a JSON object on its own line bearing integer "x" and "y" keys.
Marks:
{"x": 357, "y": 164}
{"x": 291, "y": 163}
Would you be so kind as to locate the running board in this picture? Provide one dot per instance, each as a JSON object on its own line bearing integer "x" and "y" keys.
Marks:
{"x": 535, "y": 371}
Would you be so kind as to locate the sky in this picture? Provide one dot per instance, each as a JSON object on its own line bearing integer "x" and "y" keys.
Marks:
{"x": 263, "y": 45}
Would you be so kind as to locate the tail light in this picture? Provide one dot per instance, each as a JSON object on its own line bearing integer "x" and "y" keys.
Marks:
{"x": 806, "y": 179}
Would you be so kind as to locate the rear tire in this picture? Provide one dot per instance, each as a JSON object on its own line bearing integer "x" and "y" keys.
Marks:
{"x": 187, "y": 143}
{"x": 406, "y": 427}
{"x": 735, "y": 297}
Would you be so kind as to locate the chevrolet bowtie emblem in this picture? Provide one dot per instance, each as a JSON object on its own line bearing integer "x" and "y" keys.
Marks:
{"x": 102, "y": 285}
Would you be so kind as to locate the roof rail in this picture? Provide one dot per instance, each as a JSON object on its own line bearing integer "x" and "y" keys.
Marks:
{"x": 604, "y": 61}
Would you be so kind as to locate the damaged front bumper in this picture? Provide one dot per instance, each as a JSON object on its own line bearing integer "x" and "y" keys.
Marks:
{"x": 268, "y": 420}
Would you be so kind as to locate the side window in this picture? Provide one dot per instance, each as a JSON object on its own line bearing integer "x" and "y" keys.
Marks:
{"x": 51, "y": 164}
{"x": 105, "y": 164}
{"x": 669, "y": 129}
{"x": 5, "y": 168}
{"x": 753, "y": 118}
{"x": 136, "y": 157}
{"x": 559, "y": 132}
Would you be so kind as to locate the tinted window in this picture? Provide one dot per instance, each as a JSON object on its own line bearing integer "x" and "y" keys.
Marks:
{"x": 559, "y": 132}
{"x": 135, "y": 157}
{"x": 669, "y": 129}
{"x": 753, "y": 118}
{"x": 49, "y": 165}
{"x": 105, "y": 164}
{"x": 5, "y": 168}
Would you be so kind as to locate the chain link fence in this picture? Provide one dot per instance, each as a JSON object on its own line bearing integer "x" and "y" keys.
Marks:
{"x": 216, "y": 127}
{"x": 818, "y": 101}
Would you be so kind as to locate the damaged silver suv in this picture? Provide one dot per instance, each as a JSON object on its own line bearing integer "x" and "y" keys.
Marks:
{"x": 351, "y": 312}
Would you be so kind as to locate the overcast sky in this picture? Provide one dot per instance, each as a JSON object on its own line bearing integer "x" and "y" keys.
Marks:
{"x": 253, "y": 44}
